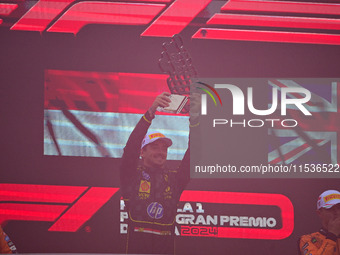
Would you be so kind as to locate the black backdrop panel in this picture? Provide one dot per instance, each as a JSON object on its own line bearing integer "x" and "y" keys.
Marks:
{"x": 24, "y": 58}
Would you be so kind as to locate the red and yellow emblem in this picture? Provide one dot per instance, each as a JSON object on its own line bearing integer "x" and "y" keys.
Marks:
{"x": 144, "y": 186}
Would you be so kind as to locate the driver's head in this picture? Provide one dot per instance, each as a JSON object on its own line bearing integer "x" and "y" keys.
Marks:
{"x": 154, "y": 149}
{"x": 328, "y": 206}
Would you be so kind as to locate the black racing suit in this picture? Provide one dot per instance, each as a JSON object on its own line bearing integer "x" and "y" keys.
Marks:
{"x": 151, "y": 196}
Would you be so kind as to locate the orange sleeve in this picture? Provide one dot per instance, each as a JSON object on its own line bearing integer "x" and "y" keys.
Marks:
{"x": 309, "y": 246}
{"x": 4, "y": 248}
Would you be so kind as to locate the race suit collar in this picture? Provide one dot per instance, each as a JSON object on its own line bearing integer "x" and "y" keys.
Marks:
{"x": 325, "y": 232}
{"x": 153, "y": 169}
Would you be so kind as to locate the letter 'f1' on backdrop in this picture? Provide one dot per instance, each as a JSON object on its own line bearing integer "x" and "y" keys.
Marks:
{"x": 76, "y": 76}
